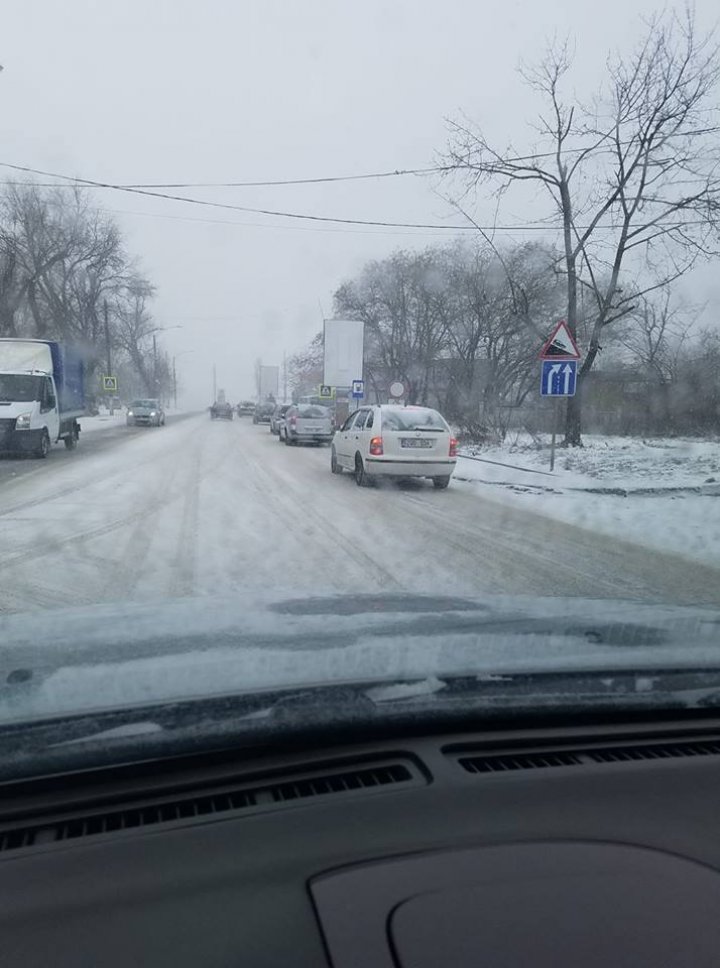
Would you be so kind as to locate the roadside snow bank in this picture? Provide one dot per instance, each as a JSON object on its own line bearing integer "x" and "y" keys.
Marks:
{"x": 662, "y": 493}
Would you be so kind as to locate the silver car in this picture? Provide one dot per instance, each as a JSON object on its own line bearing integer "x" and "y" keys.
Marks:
{"x": 145, "y": 413}
{"x": 307, "y": 423}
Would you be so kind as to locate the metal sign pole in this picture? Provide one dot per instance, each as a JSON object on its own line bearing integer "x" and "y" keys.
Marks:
{"x": 556, "y": 422}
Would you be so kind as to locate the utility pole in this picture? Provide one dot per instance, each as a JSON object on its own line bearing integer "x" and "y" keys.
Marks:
{"x": 284, "y": 377}
{"x": 214, "y": 384}
{"x": 108, "y": 350}
{"x": 174, "y": 385}
{"x": 155, "y": 373}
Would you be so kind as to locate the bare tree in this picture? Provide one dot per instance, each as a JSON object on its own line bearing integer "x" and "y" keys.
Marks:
{"x": 305, "y": 368}
{"x": 135, "y": 329}
{"x": 400, "y": 300}
{"x": 62, "y": 261}
{"x": 633, "y": 177}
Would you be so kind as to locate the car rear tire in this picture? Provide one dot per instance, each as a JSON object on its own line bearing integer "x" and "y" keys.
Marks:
{"x": 71, "y": 441}
{"x": 361, "y": 477}
{"x": 334, "y": 466}
{"x": 440, "y": 482}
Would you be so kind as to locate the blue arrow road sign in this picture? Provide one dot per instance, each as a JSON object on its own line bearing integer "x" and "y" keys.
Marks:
{"x": 558, "y": 378}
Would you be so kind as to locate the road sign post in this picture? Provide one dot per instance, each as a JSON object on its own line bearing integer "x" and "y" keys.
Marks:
{"x": 558, "y": 373}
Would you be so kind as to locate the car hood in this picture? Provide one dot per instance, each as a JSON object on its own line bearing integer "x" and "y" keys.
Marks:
{"x": 114, "y": 657}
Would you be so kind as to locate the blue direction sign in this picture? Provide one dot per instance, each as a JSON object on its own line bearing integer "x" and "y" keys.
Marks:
{"x": 358, "y": 389}
{"x": 558, "y": 378}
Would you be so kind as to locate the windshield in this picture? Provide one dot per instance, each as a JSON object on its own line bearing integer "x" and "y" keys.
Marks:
{"x": 476, "y": 253}
{"x": 20, "y": 389}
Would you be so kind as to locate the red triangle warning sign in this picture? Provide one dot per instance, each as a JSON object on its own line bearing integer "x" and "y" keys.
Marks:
{"x": 561, "y": 345}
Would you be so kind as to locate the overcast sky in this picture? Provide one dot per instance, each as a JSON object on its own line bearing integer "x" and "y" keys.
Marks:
{"x": 231, "y": 90}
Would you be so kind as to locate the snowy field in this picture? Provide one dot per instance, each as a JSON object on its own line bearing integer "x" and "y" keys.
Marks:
{"x": 660, "y": 492}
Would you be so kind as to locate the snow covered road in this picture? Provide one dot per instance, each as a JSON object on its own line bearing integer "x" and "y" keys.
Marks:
{"x": 206, "y": 507}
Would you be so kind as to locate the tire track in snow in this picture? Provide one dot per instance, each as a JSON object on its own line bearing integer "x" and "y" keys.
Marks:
{"x": 327, "y": 533}
{"x": 183, "y": 582}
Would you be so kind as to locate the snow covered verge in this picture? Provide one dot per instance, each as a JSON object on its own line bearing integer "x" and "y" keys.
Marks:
{"x": 659, "y": 492}
{"x": 103, "y": 421}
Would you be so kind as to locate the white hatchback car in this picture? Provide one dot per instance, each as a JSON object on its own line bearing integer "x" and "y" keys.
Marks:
{"x": 396, "y": 442}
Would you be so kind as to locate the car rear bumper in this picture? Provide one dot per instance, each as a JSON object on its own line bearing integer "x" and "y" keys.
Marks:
{"x": 388, "y": 467}
{"x": 309, "y": 438}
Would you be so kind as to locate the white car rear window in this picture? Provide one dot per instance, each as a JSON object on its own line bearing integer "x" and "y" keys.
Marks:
{"x": 410, "y": 419}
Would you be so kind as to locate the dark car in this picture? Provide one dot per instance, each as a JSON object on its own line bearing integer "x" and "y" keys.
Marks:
{"x": 264, "y": 411}
{"x": 278, "y": 417}
{"x": 246, "y": 408}
{"x": 221, "y": 411}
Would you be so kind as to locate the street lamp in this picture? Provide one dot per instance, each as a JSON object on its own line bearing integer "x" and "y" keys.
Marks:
{"x": 174, "y": 373}
{"x": 158, "y": 329}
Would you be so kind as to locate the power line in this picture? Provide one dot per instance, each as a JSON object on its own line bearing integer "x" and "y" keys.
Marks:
{"x": 323, "y": 219}
{"x": 235, "y": 208}
{"x": 416, "y": 233}
{"x": 365, "y": 176}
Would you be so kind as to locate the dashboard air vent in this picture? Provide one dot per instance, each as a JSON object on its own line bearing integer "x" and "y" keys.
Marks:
{"x": 655, "y": 751}
{"x": 538, "y": 759}
{"x": 353, "y": 781}
{"x": 521, "y": 761}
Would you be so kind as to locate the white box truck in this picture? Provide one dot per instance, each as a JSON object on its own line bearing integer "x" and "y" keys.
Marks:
{"x": 42, "y": 395}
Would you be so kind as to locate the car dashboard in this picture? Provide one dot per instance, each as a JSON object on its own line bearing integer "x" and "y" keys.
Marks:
{"x": 592, "y": 845}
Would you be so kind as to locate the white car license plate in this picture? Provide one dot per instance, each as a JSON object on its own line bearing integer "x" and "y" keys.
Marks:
{"x": 423, "y": 442}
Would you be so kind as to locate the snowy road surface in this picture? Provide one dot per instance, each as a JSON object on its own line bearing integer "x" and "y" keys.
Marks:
{"x": 205, "y": 507}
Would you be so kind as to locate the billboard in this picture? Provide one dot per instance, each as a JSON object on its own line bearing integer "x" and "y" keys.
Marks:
{"x": 343, "y": 352}
{"x": 268, "y": 381}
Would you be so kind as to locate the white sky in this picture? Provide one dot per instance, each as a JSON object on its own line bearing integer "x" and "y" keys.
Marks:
{"x": 226, "y": 90}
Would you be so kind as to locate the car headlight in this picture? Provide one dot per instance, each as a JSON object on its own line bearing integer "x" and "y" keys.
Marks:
{"x": 153, "y": 414}
{"x": 130, "y": 413}
{"x": 23, "y": 421}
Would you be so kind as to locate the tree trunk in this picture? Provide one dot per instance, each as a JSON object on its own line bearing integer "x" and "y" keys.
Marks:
{"x": 573, "y": 419}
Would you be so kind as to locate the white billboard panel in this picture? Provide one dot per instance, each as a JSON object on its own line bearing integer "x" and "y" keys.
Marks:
{"x": 269, "y": 382}
{"x": 343, "y": 352}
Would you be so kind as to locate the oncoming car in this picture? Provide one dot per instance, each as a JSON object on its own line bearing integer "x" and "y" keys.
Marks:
{"x": 392, "y": 441}
{"x": 145, "y": 413}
